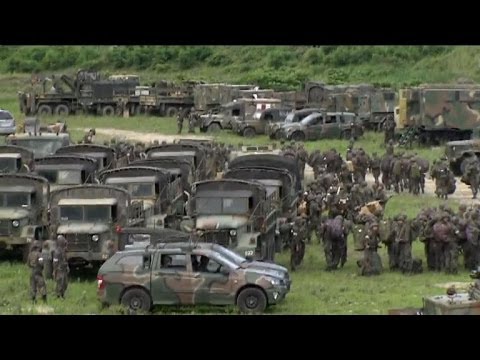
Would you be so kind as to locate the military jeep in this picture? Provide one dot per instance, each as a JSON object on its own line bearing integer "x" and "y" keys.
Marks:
{"x": 257, "y": 123}
{"x": 273, "y": 130}
{"x": 460, "y": 152}
{"x": 24, "y": 211}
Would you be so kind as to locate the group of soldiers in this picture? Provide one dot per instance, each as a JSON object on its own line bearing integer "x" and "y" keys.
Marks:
{"x": 48, "y": 262}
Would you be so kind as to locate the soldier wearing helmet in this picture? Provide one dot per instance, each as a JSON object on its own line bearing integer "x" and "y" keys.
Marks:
{"x": 35, "y": 263}
{"x": 60, "y": 267}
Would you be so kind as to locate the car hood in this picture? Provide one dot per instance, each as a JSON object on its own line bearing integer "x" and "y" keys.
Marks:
{"x": 216, "y": 222}
{"x": 82, "y": 228}
{"x": 291, "y": 126}
{"x": 13, "y": 213}
{"x": 265, "y": 272}
{"x": 264, "y": 265}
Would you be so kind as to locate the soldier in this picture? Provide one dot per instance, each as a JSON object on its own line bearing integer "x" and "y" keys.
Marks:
{"x": 89, "y": 137}
{"x": 302, "y": 158}
{"x": 60, "y": 267}
{"x": 471, "y": 247}
{"x": 415, "y": 178}
{"x": 390, "y": 148}
{"x": 192, "y": 119}
{"x": 334, "y": 243}
{"x": 371, "y": 264}
{"x": 37, "y": 282}
{"x": 389, "y": 128}
{"x": 47, "y": 260}
{"x": 375, "y": 167}
{"x": 285, "y": 233}
{"x": 182, "y": 114}
{"x": 297, "y": 246}
{"x": 471, "y": 176}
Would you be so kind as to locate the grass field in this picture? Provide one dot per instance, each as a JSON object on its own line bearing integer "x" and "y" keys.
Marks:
{"x": 314, "y": 291}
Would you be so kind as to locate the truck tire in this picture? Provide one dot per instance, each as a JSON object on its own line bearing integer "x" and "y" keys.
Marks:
{"x": 136, "y": 299}
{"x": 252, "y": 300}
{"x": 214, "y": 128}
{"x": 464, "y": 163}
{"x": 249, "y": 132}
{"x": 171, "y": 111}
{"x": 108, "y": 110}
{"x": 44, "y": 110}
{"x": 298, "y": 136}
{"x": 62, "y": 110}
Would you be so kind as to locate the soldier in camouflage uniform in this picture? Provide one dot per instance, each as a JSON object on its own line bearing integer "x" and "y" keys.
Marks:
{"x": 60, "y": 267}
{"x": 47, "y": 255}
{"x": 37, "y": 282}
{"x": 471, "y": 176}
{"x": 415, "y": 178}
{"x": 397, "y": 174}
{"x": 441, "y": 173}
{"x": 371, "y": 264}
{"x": 182, "y": 114}
{"x": 302, "y": 156}
{"x": 403, "y": 239}
{"x": 285, "y": 233}
{"x": 89, "y": 136}
{"x": 389, "y": 128}
{"x": 297, "y": 246}
{"x": 375, "y": 167}
{"x": 471, "y": 247}
{"x": 334, "y": 243}
{"x": 192, "y": 121}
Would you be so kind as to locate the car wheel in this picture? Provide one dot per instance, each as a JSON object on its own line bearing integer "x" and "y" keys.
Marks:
{"x": 249, "y": 132}
{"x": 45, "y": 110}
{"x": 62, "y": 110}
{"x": 108, "y": 110}
{"x": 136, "y": 299}
{"x": 252, "y": 301}
{"x": 279, "y": 135}
{"x": 298, "y": 136}
{"x": 214, "y": 128}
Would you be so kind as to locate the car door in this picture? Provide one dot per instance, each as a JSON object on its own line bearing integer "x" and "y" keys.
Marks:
{"x": 216, "y": 286}
{"x": 172, "y": 281}
{"x": 331, "y": 128}
{"x": 314, "y": 127}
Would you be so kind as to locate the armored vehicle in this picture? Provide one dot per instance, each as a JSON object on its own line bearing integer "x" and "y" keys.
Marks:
{"x": 105, "y": 155}
{"x": 66, "y": 170}
{"x": 323, "y": 125}
{"x": 41, "y": 144}
{"x": 238, "y": 214}
{"x": 15, "y": 159}
{"x": 161, "y": 197}
{"x": 24, "y": 211}
{"x": 139, "y": 279}
{"x": 89, "y": 217}
{"x": 258, "y": 122}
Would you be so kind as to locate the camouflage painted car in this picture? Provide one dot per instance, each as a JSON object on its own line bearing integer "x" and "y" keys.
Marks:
{"x": 41, "y": 144}
{"x": 273, "y": 131}
{"x": 161, "y": 197}
{"x": 257, "y": 123}
{"x": 89, "y": 217}
{"x": 140, "y": 279}
{"x": 24, "y": 211}
{"x": 66, "y": 170}
{"x": 323, "y": 125}
{"x": 460, "y": 152}
{"x": 15, "y": 159}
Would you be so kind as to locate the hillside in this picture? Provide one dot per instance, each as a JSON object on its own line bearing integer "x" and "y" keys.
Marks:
{"x": 280, "y": 67}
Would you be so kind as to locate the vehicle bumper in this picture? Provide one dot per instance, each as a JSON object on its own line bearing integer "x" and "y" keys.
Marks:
{"x": 8, "y": 130}
{"x": 276, "y": 294}
{"x": 87, "y": 256}
{"x": 7, "y": 241}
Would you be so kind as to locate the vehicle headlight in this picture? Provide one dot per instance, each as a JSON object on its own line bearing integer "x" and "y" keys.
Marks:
{"x": 233, "y": 232}
{"x": 15, "y": 223}
{"x": 274, "y": 281}
{"x": 95, "y": 238}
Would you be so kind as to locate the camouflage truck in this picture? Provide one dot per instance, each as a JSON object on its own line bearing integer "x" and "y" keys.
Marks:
{"x": 236, "y": 110}
{"x": 15, "y": 159}
{"x": 439, "y": 113}
{"x": 193, "y": 153}
{"x": 66, "y": 170}
{"x": 89, "y": 217}
{"x": 209, "y": 97}
{"x": 258, "y": 122}
{"x": 273, "y": 131}
{"x": 187, "y": 275}
{"x": 41, "y": 144}
{"x": 24, "y": 212}
{"x": 87, "y": 92}
{"x": 161, "y": 197}
{"x": 323, "y": 125}
{"x": 278, "y": 182}
{"x": 237, "y": 214}
{"x": 105, "y": 155}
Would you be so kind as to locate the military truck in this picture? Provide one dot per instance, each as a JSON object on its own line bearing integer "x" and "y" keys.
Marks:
{"x": 237, "y": 214}
{"x": 87, "y": 92}
{"x": 105, "y": 155}
{"x": 236, "y": 110}
{"x": 41, "y": 144}
{"x": 323, "y": 125}
{"x": 437, "y": 113}
{"x": 89, "y": 217}
{"x": 208, "y": 97}
{"x": 460, "y": 152}
{"x": 24, "y": 211}
{"x": 66, "y": 170}
{"x": 195, "y": 154}
{"x": 278, "y": 182}
{"x": 258, "y": 122}
{"x": 253, "y": 150}
{"x": 273, "y": 131}
{"x": 15, "y": 159}
{"x": 161, "y": 197}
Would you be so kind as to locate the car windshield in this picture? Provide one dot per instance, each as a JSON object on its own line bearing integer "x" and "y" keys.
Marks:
{"x": 41, "y": 147}
{"x": 225, "y": 261}
{"x": 15, "y": 199}
{"x": 230, "y": 255}
{"x": 290, "y": 117}
{"x": 7, "y": 164}
{"x": 90, "y": 213}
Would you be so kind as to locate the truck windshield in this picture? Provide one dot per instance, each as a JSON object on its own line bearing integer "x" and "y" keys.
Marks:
{"x": 7, "y": 164}
{"x": 15, "y": 199}
{"x": 62, "y": 177}
{"x": 90, "y": 213}
{"x": 42, "y": 147}
{"x": 222, "y": 205}
{"x": 142, "y": 189}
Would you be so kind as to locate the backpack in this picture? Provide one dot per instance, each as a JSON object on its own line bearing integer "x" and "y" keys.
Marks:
{"x": 336, "y": 228}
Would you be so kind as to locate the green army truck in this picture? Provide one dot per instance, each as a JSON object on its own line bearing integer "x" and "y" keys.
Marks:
{"x": 15, "y": 159}
{"x": 24, "y": 211}
{"x": 89, "y": 217}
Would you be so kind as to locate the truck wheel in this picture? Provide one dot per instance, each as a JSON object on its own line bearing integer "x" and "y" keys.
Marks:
{"x": 171, "y": 111}
{"x": 108, "y": 110}
{"x": 136, "y": 299}
{"x": 298, "y": 136}
{"x": 62, "y": 110}
{"x": 44, "y": 110}
{"x": 279, "y": 135}
{"x": 252, "y": 301}
{"x": 249, "y": 132}
{"x": 214, "y": 128}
